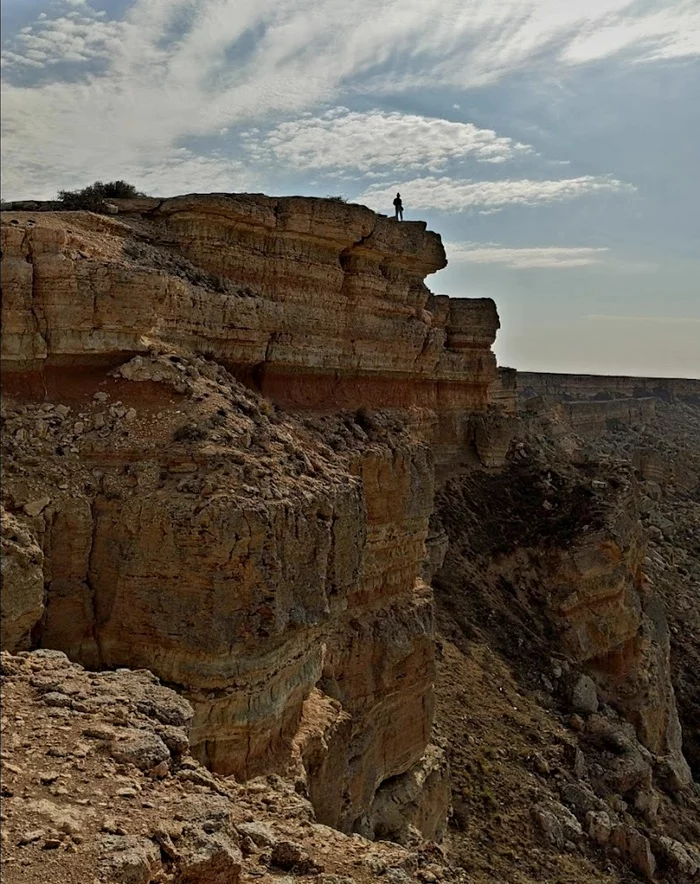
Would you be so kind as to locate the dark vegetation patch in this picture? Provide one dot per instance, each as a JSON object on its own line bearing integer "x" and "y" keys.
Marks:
{"x": 519, "y": 507}
{"x": 93, "y": 197}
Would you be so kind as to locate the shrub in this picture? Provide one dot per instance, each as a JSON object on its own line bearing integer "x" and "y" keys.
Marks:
{"x": 93, "y": 196}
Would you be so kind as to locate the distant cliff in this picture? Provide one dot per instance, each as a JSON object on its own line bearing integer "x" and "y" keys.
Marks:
{"x": 591, "y": 386}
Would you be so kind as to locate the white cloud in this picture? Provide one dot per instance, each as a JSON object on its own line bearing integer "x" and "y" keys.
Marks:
{"x": 663, "y": 320}
{"x": 669, "y": 33}
{"x": 542, "y": 257}
{"x": 173, "y": 70}
{"x": 341, "y": 139}
{"x": 74, "y": 37}
{"x": 452, "y": 195}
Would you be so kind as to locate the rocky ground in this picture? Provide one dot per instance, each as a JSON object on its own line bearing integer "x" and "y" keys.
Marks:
{"x": 98, "y": 786}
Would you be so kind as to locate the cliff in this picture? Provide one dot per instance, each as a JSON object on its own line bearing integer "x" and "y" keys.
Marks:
{"x": 161, "y": 514}
{"x": 588, "y": 386}
{"x": 242, "y": 439}
{"x": 315, "y": 304}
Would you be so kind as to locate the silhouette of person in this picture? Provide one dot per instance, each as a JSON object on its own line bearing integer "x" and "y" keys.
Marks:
{"x": 398, "y": 208}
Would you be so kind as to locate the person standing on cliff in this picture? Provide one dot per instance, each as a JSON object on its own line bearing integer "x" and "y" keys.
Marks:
{"x": 398, "y": 208}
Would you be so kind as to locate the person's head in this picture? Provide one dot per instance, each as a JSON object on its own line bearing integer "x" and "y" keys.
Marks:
{"x": 398, "y": 196}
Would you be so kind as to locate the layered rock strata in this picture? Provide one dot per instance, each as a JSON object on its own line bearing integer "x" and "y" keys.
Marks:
{"x": 169, "y": 519}
{"x": 593, "y": 416}
{"x": 317, "y": 304}
{"x": 589, "y": 386}
{"x": 181, "y": 526}
{"x": 561, "y": 559}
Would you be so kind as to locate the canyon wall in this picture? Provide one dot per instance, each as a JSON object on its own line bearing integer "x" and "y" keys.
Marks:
{"x": 226, "y": 417}
{"x": 163, "y": 515}
{"x": 587, "y": 386}
{"x": 592, "y": 416}
{"x": 316, "y": 304}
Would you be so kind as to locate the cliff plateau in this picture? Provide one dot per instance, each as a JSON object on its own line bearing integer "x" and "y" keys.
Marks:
{"x": 242, "y": 442}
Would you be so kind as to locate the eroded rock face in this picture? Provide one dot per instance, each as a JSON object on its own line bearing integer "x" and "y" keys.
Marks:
{"x": 569, "y": 552}
{"x": 232, "y": 551}
{"x": 22, "y": 598}
{"x": 188, "y": 529}
{"x": 317, "y": 304}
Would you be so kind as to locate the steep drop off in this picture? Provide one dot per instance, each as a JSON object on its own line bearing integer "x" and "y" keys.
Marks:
{"x": 267, "y": 565}
{"x": 242, "y": 439}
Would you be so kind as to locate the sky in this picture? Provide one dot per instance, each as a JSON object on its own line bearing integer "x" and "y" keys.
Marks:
{"x": 554, "y": 144}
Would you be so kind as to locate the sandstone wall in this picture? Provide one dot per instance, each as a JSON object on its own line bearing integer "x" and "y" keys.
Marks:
{"x": 318, "y": 305}
{"x": 586, "y": 386}
{"x": 167, "y": 519}
{"x": 593, "y": 416}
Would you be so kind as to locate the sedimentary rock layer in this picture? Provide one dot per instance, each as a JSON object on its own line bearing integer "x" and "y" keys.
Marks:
{"x": 588, "y": 386}
{"x": 317, "y": 304}
{"x": 269, "y": 568}
{"x": 593, "y": 416}
{"x": 174, "y": 521}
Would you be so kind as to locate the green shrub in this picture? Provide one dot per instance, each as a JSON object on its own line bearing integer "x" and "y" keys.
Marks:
{"x": 93, "y": 196}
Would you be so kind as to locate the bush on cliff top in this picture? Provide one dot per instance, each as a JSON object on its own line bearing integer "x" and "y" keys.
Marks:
{"x": 92, "y": 196}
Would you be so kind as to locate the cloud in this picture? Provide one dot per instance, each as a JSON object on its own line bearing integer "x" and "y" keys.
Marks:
{"x": 669, "y": 33}
{"x": 663, "y": 320}
{"x": 454, "y": 195}
{"x": 130, "y": 92}
{"x": 341, "y": 139}
{"x": 542, "y": 257}
{"x": 74, "y": 37}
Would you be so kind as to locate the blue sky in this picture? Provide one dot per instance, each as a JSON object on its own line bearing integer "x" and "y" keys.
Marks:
{"x": 554, "y": 144}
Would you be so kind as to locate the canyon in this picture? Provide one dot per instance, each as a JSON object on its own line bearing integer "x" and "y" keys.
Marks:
{"x": 248, "y": 451}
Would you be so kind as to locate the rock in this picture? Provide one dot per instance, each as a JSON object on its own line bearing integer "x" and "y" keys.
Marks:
{"x": 636, "y": 848}
{"x": 292, "y": 857}
{"x": 31, "y": 837}
{"x": 209, "y": 859}
{"x": 22, "y": 596}
{"x": 581, "y": 798}
{"x": 99, "y": 732}
{"x": 55, "y": 698}
{"x": 540, "y": 764}
{"x": 258, "y": 832}
{"x": 175, "y": 738}
{"x": 680, "y": 859}
{"x": 412, "y": 803}
{"x": 557, "y": 823}
{"x": 584, "y": 696}
{"x": 598, "y": 826}
{"x": 139, "y": 747}
{"x": 647, "y": 802}
{"x": 35, "y": 507}
{"x": 673, "y": 773}
{"x": 128, "y": 860}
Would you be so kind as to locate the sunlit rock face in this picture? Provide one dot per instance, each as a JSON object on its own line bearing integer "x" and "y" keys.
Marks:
{"x": 168, "y": 517}
{"x": 317, "y": 304}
